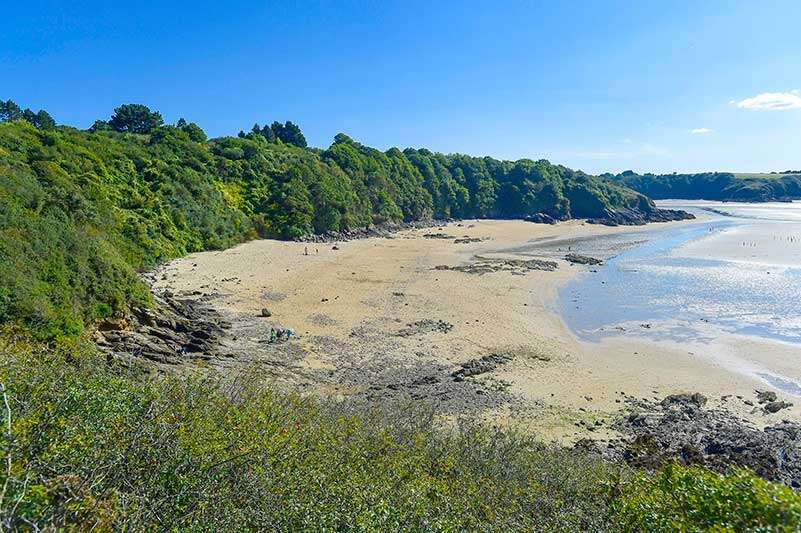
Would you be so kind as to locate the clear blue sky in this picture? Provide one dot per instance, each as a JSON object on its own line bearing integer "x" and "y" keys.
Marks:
{"x": 646, "y": 85}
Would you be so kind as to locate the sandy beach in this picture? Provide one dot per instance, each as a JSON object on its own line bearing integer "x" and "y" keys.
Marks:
{"x": 390, "y": 317}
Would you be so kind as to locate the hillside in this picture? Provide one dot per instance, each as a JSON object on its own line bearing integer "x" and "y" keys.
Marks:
{"x": 82, "y": 211}
{"x": 722, "y": 186}
{"x": 90, "y": 443}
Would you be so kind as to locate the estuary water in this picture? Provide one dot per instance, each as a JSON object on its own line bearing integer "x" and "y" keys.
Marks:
{"x": 735, "y": 272}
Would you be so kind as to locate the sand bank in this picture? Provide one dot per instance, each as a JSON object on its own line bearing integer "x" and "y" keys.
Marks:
{"x": 373, "y": 319}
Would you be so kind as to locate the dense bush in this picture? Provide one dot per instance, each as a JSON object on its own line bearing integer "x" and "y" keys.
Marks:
{"x": 80, "y": 213}
{"x": 695, "y": 499}
{"x": 94, "y": 446}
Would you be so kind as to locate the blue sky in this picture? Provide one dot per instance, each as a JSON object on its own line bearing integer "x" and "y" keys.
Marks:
{"x": 600, "y": 86}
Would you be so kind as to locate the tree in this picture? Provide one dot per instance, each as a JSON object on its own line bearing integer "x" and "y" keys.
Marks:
{"x": 278, "y": 130}
{"x": 41, "y": 119}
{"x": 293, "y": 135}
{"x": 99, "y": 125}
{"x": 9, "y": 111}
{"x": 29, "y": 116}
{"x": 195, "y": 132}
{"x": 44, "y": 121}
{"x": 289, "y": 133}
{"x": 135, "y": 118}
{"x": 267, "y": 133}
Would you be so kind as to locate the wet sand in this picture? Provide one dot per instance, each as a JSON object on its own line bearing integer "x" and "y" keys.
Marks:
{"x": 366, "y": 311}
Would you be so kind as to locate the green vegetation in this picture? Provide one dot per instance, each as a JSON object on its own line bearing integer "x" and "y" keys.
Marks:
{"x": 11, "y": 111}
{"x": 82, "y": 211}
{"x": 722, "y": 186}
{"x": 694, "y": 499}
{"x": 89, "y": 445}
{"x": 94, "y": 446}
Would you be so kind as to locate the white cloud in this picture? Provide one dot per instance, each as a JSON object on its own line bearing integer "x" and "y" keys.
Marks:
{"x": 700, "y": 131}
{"x": 771, "y": 101}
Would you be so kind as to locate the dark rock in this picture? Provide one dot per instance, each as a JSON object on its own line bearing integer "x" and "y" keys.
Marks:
{"x": 540, "y": 218}
{"x": 386, "y": 231}
{"x": 775, "y": 407}
{"x": 174, "y": 331}
{"x": 485, "y": 364}
{"x": 766, "y": 396}
{"x": 201, "y": 334}
{"x": 681, "y": 427}
{"x": 582, "y": 259}
{"x": 515, "y": 266}
{"x": 266, "y": 312}
{"x": 425, "y": 326}
{"x": 639, "y": 216}
{"x": 695, "y": 399}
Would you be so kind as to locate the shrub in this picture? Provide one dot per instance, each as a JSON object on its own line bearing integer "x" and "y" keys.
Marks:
{"x": 692, "y": 498}
{"x": 98, "y": 446}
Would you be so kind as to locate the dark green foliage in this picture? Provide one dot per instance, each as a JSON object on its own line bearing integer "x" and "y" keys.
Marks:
{"x": 135, "y": 118}
{"x": 82, "y": 212}
{"x": 44, "y": 121}
{"x": 268, "y": 133}
{"x": 388, "y": 180}
{"x": 194, "y": 131}
{"x": 464, "y": 186}
{"x": 724, "y": 186}
{"x": 9, "y": 111}
{"x": 41, "y": 119}
{"x": 288, "y": 133}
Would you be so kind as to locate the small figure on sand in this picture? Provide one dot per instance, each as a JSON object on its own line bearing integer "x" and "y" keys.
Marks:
{"x": 305, "y": 250}
{"x": 280, "y": 334}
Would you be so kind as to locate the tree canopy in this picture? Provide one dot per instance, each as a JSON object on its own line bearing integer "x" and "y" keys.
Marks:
{"x": 135, "y": 118}
{"x": 11, "y": 111}
{"x": 84, "y": 210}
{"x": 725, "y": 186}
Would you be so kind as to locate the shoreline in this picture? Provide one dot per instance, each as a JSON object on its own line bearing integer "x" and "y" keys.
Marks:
{"x": 398, "y": 317}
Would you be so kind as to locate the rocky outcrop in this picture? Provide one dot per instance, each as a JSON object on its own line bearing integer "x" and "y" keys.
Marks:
{"x": 487, "y": 265}
{"x": 639, "y": 217}
{"x": 578, "y": 259}
{"x": 540, "y": 218}
{"x": 485, "y": 364}
{"x": 174, "y": 331}
{"x": 681, "y": 427}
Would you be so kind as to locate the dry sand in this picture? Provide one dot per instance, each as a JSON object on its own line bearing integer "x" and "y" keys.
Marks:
{"x": 348, "y": 304}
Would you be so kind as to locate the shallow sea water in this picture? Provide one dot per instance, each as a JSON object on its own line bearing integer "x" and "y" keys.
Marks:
{"x": 737, "y": 272}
